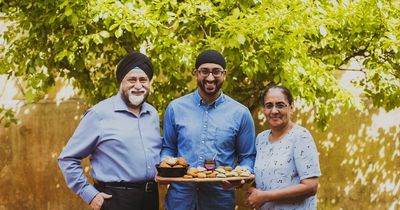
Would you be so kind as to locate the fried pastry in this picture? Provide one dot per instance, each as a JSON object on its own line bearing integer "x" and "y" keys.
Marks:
{"x": 201, "y": 169}
{"x": 212, "y": 175}
{"x": 181, "y": 161}
{"x": 193, "y": 170}
{"x": 164, "y": 164}
{"x": 201, "y": 175}
{"x": 245, "y": 174}
{"x": 171, "y": 161}
{"x": 221, "y": 176}
{"x": 208, "y": 172}
{"x": 190, "y": 173}
{"x": 220, "y": 170}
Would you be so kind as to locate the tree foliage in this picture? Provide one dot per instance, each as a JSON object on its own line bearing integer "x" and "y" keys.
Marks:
{"x": 300, "y": 44}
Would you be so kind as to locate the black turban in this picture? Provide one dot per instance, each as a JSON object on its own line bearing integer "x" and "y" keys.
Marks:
{"x": 132, "y": 60}
{"x": 210, "y": 56}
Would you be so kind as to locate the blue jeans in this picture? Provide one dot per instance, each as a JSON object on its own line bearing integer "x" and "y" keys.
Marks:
{"x": 199, "y": 196}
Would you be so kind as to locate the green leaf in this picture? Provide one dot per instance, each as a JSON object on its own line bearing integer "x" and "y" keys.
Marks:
{"x": 241, "y": 38}
{"x": 118, "y": 32}
{"x": 104, "y": 34}
{"x": 68, "y": 11}
{"x": 113, "y": 26}
{"x": 97, "y": 39}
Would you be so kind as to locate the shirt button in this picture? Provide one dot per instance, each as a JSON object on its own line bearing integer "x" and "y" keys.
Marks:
{"x": 201, "y": 157}
{"x": 202, "y": 142}
{"x": 204, "y": 126}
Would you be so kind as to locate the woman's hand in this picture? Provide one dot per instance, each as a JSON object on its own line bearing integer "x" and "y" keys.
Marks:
{"x": 255, "y": 198}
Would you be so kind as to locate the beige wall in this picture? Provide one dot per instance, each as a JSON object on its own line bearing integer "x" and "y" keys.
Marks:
{"x": 29, "y": 175}
{"x": 359, "y": 155}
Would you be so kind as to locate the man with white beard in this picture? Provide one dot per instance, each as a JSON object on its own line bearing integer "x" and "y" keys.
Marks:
{"x": 121, "y": 135}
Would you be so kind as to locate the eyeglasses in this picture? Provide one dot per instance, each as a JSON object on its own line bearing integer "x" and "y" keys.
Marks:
{"x": 278, "y": 106}
{"x": 216, "y": 72}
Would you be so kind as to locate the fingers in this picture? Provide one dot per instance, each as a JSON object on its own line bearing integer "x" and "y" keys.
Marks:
{"x": 105, "y": 196}
{"x": 98, "y": 200}
{"x": 240, "y": 184}
{"x": 251, "y": 204}
{"x": 226, "y": 184}
{"x": 250, "y": 190}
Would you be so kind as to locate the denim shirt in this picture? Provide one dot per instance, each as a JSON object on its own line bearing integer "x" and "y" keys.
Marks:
{"x": 122, "y": 146}
{"x": 197, "y": 131}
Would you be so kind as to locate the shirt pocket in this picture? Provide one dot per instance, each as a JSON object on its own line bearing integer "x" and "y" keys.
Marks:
{"x": 226, "y": 138}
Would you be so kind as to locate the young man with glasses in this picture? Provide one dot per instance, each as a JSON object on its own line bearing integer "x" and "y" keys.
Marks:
{"x": 207, "y": 124}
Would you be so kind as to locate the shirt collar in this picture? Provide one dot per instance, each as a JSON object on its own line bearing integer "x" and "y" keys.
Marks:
{"x": 199, "y": 100}
{"x": 120, "y": 105}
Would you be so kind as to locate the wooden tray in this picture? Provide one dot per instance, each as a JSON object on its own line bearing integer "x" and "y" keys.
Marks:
{"x": 181, "y": 179}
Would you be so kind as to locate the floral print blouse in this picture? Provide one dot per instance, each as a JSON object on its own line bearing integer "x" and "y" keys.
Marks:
{"x": 284, "y": 163}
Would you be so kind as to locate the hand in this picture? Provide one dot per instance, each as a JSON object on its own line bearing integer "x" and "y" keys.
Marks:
{"x": 98, "y": 200}
{"x": 231, "y": 184}
{"x": 254, "y": 198}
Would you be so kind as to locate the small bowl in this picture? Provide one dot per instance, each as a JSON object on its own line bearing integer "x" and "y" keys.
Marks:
{"x": 171, "y": 172}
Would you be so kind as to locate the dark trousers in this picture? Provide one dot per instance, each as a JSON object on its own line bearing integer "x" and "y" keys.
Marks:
{"x": 130, "y": 198}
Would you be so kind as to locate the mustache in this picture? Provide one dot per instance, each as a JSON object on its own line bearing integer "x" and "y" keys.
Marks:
{"x": 133, "y": 91}
{"x": 210, "y": 82}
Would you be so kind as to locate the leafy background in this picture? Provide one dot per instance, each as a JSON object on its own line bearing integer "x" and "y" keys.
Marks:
{"x": 305, "y": 45}
{"x": 300, "y": 44}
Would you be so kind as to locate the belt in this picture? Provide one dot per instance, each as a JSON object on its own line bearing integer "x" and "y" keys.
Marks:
{"x": 149, "y": 186}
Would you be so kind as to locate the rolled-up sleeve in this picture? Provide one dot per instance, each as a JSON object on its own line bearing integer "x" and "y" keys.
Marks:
{"x": 81, "y": 145}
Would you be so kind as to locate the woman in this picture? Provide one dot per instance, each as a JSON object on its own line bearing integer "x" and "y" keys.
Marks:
{"x": 286, "y": 166}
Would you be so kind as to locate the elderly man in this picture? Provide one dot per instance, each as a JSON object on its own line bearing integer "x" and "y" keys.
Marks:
{"x": 207, "y": 124}
{"x": 122, "y": 137}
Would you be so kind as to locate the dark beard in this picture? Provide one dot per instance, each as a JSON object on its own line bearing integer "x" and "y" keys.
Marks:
{"x": 201, "y": 85}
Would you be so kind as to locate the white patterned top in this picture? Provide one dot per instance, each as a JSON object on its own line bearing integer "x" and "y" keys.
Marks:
{"x": 284, "y": 163}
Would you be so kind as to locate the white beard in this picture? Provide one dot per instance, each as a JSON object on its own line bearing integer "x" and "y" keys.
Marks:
{"x": 136, "y": 100}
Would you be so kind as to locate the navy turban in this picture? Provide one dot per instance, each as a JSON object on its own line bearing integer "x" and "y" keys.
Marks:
{"x": 210, "y": 56}
{"x": 132, "y": 60}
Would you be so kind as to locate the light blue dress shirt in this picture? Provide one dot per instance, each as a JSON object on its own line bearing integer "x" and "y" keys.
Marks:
{"x": 197, "y": 131}
{"x": 121, "y": 146}
{"x": 285, "y": 163}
